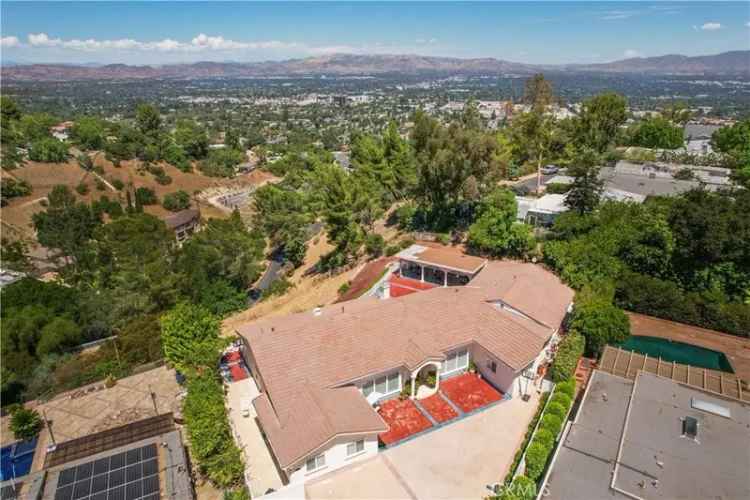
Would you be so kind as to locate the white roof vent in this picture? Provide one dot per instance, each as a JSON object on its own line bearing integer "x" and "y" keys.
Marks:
{"x": 317, "y": 311}
{"x": 709, "y": 407}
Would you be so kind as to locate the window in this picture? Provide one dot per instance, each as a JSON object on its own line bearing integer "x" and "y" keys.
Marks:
{"x": 394, "y": 382}
{"x": 455, "y": 361}
{"x": 355, "y": 447}
{"x": 380, "y": 385}
{"x": 316, "y": 463}
{"x": 492, "y": 366}
{"x": 367, "y": 388}
{"x": 690, "y": 427}
{"x": 463, "y": 359}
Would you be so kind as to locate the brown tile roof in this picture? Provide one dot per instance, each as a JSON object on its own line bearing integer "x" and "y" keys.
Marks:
{"x": 528, "y": 287}
{"x": 305, "y": 360}
{"x": 177, "y": 219}
{"x": 445, "y": 257}
{"x": 315, "y": 417}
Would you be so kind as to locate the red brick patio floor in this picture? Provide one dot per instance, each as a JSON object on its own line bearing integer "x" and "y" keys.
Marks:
{"x": 403, "y": 418}
{"x": 401, "y": 286}
{"x": 469, "y": 392}
{"x": 440, "y": 410}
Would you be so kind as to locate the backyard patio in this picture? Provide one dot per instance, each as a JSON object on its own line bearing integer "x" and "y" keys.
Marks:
{"x": 458, "y": 396}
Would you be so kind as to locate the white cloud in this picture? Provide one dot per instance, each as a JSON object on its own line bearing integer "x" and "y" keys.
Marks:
{"x": 9, "y": 41}
{"x": 747, "y": 24}
{"x": 42, "y": 40}
{"x": 711, "y": 26}
{"x": 202, "y": 42}
{"x": 630, "y": 53}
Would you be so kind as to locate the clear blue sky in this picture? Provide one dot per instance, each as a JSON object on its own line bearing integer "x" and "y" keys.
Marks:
{"x": 534, "y": 32}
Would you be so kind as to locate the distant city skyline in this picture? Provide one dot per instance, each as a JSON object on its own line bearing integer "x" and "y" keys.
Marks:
{"x": 530, "y": 32}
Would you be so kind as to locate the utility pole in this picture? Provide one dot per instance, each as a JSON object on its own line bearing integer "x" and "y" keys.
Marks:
{"x": 49, "y": 430}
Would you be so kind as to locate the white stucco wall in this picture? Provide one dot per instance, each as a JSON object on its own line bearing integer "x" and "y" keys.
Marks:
{"x": 503, "y": 378}
{"x": 335, "y": 458}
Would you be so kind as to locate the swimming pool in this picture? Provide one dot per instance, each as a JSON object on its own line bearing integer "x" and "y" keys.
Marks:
{"x": 670, "y": 350}
{"x": 15, "y": 459}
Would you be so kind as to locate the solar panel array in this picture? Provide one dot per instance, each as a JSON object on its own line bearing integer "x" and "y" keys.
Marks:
{"x": 130, "y": 475}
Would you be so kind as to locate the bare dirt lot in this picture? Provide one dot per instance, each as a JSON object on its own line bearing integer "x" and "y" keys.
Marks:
{"x": 16, "y": 216}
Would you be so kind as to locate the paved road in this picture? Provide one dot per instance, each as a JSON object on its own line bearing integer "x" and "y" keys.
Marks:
{"x": 273, "y": 271}
{"x": 531, "y": 183}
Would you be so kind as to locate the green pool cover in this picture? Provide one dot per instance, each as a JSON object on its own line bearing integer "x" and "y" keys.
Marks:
{"x": 679, "y": 352}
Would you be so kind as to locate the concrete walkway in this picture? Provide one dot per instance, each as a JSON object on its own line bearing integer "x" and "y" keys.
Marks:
{"x": 261, "y": 472}
{"x": 454, "y": 462}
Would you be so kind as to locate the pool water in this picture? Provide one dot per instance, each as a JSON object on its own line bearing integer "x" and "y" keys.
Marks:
{"x": 15, "y": 459}
{"x": 687, "y": 354}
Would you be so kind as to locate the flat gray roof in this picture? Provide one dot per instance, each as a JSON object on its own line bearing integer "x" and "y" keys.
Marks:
{"x": 639, "y": 184}
{"x": 656, "y": 461}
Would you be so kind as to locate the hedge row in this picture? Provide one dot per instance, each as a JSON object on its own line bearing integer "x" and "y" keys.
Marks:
{"x": 211, "y": 441}
{"x": 543, "y": 442}
{"x": 569, "y": 350}
{"x": 529, "y": 432}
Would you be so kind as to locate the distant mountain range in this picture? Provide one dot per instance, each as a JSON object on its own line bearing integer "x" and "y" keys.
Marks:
{"x": 728, "y": 63}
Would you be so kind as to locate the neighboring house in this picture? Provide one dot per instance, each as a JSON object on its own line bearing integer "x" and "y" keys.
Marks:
{"x": 437, "y": 266}
{"x": 61, "y": 131}
{"x": 698, "y": 137}
{"x": 542, "y": 211}
{"x": 320, "y": 373}
{"x": 184, "y": 223}
{"x": 8, "y": 277}
{"x": 652, "y": 438}
{"x": 343, "y": 159}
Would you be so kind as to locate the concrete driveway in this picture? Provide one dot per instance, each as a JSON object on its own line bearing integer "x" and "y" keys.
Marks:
{"x": 454, "y": 462}
{"x": 261, "y": 472}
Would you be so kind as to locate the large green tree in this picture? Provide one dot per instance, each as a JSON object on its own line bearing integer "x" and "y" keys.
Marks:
{"x": 599, "y": 121}
{"x": 586, "y": 189}
{"x": 496, "y": 231}
{"x": 190, "y": 336}
{"x": 67, "y": 227}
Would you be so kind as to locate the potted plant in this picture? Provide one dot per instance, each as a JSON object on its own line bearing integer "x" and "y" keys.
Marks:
{"x": 472, "y": 367}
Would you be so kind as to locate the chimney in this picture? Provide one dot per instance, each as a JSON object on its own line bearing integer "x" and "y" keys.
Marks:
{"x": 385, "y": 290}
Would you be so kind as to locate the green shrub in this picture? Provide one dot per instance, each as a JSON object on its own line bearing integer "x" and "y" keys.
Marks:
{"x": 527, "y": 437}
{"x": 562, "y": 399}
{"x": 444, "y": 238}
{"x": 25, "y": 423}
{"x": 405, "y": 215}
{"x": 48, "y": 149}
{"x": 392, "y": 250}
{"x": 552, "y": 423}
{"x": 174, "y": 202}
{"x": 568, "y": 388}
{"x": 600, "y": 322}
{"x": 118, "y": 184}
{"x": 374, "y": 244}
{"x": 556, "y": 188}
{"x": 407, "y": 243}
{"x": 100, "y": 186}
{"x": 82, "y": 189}
{"x": 164, "y": 180}
{"x": 211, "y": 442}
{"x": 522, "y": 488}
{"x": 556, "y": 409}
{"x": 344, "y": 288}
{"x": 278, "y": 287}
{"x": 145, "y": 196}
{"x": 536, "y": 459}
{"x": 569, "y": 351}
{"x": 544, "y": 437}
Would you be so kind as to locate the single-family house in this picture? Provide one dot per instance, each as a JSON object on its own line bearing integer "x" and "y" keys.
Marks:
{"x": 323, "y": 374}
{"x": 184, "y": 223}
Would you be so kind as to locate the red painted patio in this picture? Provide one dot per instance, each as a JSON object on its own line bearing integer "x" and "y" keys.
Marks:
{"x": 438, "y": 408}
{"x": 403, "y": 418}
{"x": 469, "y": 392}
{"x": 401, "y": 286}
